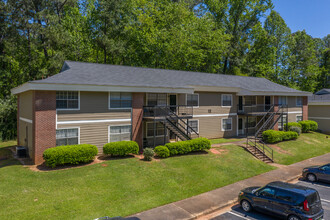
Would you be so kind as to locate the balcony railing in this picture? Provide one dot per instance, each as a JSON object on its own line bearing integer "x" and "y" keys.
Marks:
{"x": 255, "y": 108}
{"x": 161, "y": 111}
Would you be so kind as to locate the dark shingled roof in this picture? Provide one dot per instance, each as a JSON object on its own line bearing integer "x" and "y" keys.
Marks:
{"x": 116, "y": 75}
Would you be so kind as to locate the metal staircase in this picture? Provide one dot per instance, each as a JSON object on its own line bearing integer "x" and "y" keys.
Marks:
{"x": 255, "y": 144}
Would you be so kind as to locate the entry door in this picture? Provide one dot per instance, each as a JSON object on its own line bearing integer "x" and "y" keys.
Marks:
{"x": 267, "y": 102}
{"x": 240, "y": 103}
{"x": 173, "y": 102}
{"x": 240, "y": 126}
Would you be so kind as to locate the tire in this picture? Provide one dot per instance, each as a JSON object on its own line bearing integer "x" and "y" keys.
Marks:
{"x": 311, "y": 177}
{"x": 246, "y": 205}
{"x": 293, "y": 217}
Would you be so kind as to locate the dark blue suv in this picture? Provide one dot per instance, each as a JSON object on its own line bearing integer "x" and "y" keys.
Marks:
{"x": 289, "y": 201}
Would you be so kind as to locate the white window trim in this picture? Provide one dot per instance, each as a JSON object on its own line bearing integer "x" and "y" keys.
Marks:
{"x": 301, "y": 101}
{"x": 109, "y": 105}
{"x": 70, "y": 109}
{"x": 297, "y": 118}
{"x": 231, "y": 103}
{"x": 197, "y": 124}
{"x": 197, "y": 99}
{"x": 231, "y": 120}
{"x": 70, "y": 128}
{"x": 167, "y": 98}
{"x": 119, "y": 133}
{"x": 156, "y": 132}
{"x": 279, "y": 122}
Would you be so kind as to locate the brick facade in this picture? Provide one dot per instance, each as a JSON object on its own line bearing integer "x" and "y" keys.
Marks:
{"x": 275, "y": 110}
{"x": 137, "y": 117}
{"x": 305, "y": 108}
{"x": 44, "y": 126}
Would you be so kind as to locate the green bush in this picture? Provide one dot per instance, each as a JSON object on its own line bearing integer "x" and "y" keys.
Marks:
{"x": 162, "y": 151}
{"x": 121, "y": 148}
{"x": 308, "y": 125}
{"x": 148, "y": 154}
{"x": 69, "y": 154}
{"x": 184, "y": 147}
{"x": 295, "y": 129}
{"x": 272, "y": 136}
{"x": 200, "y": 144}
{"x": 289, "y": 125}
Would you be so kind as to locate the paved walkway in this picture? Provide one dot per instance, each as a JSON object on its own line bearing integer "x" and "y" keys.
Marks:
{"x": 208, "y": 202}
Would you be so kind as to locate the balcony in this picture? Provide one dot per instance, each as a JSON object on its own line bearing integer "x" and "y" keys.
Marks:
{"x": 259, "y": 110}
{"x": 160, "y": 112}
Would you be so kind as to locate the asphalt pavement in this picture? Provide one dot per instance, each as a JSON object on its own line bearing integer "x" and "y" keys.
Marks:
{"x": 236, "y": 213}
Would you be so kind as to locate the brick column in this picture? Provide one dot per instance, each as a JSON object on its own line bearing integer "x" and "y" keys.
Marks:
{"x": 137, "y": 117}
{"x": 18, "y": 109}
{"x": 275, "y": 110}
{"x": 305, "y": 108}
{"x": 44, "y": 126}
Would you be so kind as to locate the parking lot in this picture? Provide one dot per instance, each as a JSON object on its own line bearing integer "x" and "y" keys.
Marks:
{"x": 236, "y": 213}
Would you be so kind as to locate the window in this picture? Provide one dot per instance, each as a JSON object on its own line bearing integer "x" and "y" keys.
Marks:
{"x": 68, "y": 136}
{"x": 299, "y": 118}
{"x": 67, "y": 100}
{"x": 194, "y": 125}
{"x": 282, "y": 122}
{"x": 226, "y": 124}
{"x": 120, "y": 100}
{"x": 284, "y": 196}
{"x": 119, "y": 133}
{"x": 282, "y": 100}
{"x": 226, "y": 100}
{"x": 250, "y": 100}
{"x": 193, "y": 100}
{"x": 159, "y": 129}
{"x": 267, "y": 192}
{"x": 326, "y": 167}
{"x": 299, "y": 101}
{"x": 157, "y": 99}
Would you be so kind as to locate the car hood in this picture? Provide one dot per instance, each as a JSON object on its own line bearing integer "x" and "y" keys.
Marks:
{"x": 311, "y": 167}
{"x": 250, "y": 189}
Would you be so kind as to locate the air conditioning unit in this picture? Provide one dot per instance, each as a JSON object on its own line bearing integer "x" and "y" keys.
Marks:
{"x": 21, "y": 152}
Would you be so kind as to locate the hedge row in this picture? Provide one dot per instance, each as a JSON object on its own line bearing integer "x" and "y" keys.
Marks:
{"x": 305, "y": 126}
{"x": 121, "y": 148}
{"x": 183, "y": 147}
{"x": 69, "y": 154}
{"x": 271, "y": 136}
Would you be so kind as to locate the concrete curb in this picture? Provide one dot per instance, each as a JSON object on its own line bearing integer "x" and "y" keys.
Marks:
{"x": 215, "y": 200}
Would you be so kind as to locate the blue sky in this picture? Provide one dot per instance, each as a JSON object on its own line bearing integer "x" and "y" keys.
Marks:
{"x": 311, "y": 15}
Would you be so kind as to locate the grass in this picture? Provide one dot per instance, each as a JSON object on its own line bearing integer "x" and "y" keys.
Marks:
{"x": 118, "y": 187}
{"x": 306, "y": 146}
{"x": 225, "y": 140}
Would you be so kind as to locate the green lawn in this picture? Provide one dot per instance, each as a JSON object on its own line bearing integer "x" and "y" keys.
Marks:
{"x": 123, "y": 187}
{"x": 306, "y": 146}
{"x": 225, "y": 140}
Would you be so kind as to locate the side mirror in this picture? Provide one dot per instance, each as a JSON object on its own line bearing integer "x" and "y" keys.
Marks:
{"x": 256, "y": 193}
{"x": 321, "y": 168}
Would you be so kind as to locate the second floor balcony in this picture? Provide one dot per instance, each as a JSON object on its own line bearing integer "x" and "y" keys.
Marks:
{"x": 260, "y": 109}
{"x": 159, "y": 112}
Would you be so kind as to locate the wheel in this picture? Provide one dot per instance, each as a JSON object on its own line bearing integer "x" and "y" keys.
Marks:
{"x": 293, "y": 217}
{"x": 246, "y": 206}
{"x": 311, "y": 177}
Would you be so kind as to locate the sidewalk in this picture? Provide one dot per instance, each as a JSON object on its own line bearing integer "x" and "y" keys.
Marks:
{"x": 208, "y": 202}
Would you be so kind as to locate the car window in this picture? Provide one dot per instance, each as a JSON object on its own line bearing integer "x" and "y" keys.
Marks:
{"x": 284, "y": 196}
{"x": 326, "y": 167}
{"x": 267, "y": 192}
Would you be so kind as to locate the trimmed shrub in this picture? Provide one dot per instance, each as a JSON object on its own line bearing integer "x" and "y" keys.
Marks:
{"x": 121, "y": 148}
{"x": 148, "y": 154}
{"x": 289, "y": 125}
{"x": 200, "y": 144}
{"x": 162, "y": 151}
{"x": 271, "y": 136}
{"x": 295, "y": 129}
{"x": 184, "y": 147}
{"x": 69, "y": 154}
{"x": 308, "y": 125}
